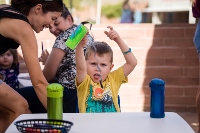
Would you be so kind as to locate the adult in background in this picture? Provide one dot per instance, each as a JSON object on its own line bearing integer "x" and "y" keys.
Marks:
{"x": 127, "y": 14}
{"x": 137, "y": 9}
{"x": 196, "y": 39}
{"x": 17, "y": 22}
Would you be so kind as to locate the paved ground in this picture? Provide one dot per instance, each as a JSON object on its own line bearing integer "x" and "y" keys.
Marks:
{"x": 191, "y": 119}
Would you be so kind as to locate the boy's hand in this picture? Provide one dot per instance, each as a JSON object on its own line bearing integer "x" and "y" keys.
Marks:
{"x": 84, "y": 41}
{"x": 112, "y": 34}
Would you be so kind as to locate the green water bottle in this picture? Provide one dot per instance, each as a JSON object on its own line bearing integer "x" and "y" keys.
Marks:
{"x": 55, "y": 101}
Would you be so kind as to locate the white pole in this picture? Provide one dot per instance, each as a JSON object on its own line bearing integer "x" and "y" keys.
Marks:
{"x": 7, "y": 2}
{"x": 98, "y": 16}
{"x": 191, "y": 20}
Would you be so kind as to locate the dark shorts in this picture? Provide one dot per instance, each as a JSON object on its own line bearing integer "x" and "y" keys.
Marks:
{"x": 69, "y": 100}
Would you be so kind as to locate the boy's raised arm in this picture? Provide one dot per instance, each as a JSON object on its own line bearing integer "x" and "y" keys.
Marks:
{"x": 131, "y": 61}
{"x": 81, "y": 69}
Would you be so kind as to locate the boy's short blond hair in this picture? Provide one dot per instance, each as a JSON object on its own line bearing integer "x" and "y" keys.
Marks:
{"x": 101, "y": 48}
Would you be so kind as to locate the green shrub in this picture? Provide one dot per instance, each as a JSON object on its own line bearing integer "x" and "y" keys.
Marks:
{"x": 112, "y": 11}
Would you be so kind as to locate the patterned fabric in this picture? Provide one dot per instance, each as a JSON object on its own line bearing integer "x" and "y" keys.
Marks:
{"x": 92, "y": 98}
{"x": 11, "y": 76}
{"x": 66, "y": 72}
{"x": 99, "y": 100}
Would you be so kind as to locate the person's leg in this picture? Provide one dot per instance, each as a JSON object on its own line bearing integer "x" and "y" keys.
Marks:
{"x": 70, "y": 101}
{"x": 34, "y": 103}
{"x": 11, "y": 106}
{"x": 198, "y": 99}
{"x": 3, "y": 121}
{"x": 196, "y": 38}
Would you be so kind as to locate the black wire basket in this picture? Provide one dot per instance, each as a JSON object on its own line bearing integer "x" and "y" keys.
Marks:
{"x": 43, "y": 126}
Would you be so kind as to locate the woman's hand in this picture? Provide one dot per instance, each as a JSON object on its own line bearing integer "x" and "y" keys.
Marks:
{"x": 44, "y": 56}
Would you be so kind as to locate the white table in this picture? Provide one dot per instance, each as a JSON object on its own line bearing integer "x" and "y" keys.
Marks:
{"x": 135, "y": 122}
{"x": 23, "y": 81}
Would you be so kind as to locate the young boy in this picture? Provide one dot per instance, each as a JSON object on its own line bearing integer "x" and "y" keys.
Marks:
{"x": 97, "y": 86}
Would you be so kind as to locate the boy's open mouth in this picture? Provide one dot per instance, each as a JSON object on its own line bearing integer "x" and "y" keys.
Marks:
{"x": 96, "y": 76}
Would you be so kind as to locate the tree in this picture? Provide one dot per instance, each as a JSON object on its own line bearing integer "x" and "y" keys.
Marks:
{"x": 72, "y": 3}
{"x": 2, "y": 1}
{"x": 78, "y": 4}
{"x": 112, "y": 11}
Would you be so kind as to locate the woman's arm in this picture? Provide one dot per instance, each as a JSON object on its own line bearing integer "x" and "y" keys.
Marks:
{"x": 52, "y": 63}
{"x": 25, "y": 36}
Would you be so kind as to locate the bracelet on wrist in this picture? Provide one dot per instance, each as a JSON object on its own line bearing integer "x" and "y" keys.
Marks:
{"x": 129, "y": 50}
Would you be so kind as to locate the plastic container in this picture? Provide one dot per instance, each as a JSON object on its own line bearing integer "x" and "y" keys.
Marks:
{"x": 157, "y": 87}
{"x": 76, "y": 37}
{"x": 55, "y": 101}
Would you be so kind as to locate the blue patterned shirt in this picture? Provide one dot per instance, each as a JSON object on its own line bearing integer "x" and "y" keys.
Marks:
{"x": 11, "y": 76}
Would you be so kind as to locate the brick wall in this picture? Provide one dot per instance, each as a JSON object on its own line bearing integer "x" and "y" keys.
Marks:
{"x": 163, "y": 51}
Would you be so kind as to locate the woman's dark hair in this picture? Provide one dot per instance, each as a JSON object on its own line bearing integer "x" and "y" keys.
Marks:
{"x": 66, "y": 12}
{"x": 24, "y": 6}
{"x": 15, "y": 57}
